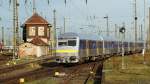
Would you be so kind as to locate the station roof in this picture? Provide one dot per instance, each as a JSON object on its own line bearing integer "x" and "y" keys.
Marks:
{"x": 36, "y": 19}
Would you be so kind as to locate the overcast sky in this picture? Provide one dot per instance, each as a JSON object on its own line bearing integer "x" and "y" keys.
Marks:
{"x": 78, "y": 14}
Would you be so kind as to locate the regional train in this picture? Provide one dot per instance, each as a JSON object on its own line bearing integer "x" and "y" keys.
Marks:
{"x": 78, "y": 48}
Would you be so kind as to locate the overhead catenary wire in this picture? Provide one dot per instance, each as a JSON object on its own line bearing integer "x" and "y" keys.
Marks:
{"x": 90, "y": 18}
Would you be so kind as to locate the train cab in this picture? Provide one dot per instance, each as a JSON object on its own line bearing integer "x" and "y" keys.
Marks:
{"x": 67, "y": 49}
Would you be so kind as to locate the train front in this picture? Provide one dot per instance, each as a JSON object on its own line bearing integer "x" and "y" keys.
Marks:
{"x": 67, "y": 49}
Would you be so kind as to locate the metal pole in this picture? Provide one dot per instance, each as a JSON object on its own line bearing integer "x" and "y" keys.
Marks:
{"x": 107, "y": 27}
{"x": 55, "y": 41}
{"x": 3, "y": 36}
{"x": 64, "y": 24}
{"x": 144, "y": 45}
{"x": 34, "y": 8}
{"x": 148, "y": 33}
{"x": 141, "y": 32}
{"x": 107, "y": 24}
{"x": 123, "y": 37}
{"x": 9, "y": 44}
{"x": 17, "y": 28}
{"x": 116, "y": 30}
{"x": 123, "y": 65}
{"x": 14, "y": 29}
{"x": 135, "y": 18}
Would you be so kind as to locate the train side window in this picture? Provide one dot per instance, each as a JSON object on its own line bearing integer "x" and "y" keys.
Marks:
{"x": 92, "y": 44}
{"x": 106, "y": 44}
{"x": 82, "y": 44}
{"x": 100, "y": 44}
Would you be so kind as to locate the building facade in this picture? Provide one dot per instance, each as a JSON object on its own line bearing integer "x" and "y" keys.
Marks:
{"x": 36, "y": 36}
{"x": 36, "y": 26}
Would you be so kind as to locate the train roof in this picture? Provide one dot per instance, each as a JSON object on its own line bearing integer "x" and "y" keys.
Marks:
{"x": 86, "y": 36}
{"x": 92, "y": 37}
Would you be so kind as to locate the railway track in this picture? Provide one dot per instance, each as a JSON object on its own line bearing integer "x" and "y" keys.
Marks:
{"x": 4, "y": 58}
{"x": 10, "y": 68}
{"x": 28, "y": 75}
{"x": 48, "y": 70}
{"x": 73, "y": 72}
{"x": 14, "y": 72}
{"x": 84, "y": 72}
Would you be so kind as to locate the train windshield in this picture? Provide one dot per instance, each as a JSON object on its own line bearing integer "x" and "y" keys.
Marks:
{"x": 62, "y": 43}
{"x": 67, "y": 43}
{"x": 71, "y": 42}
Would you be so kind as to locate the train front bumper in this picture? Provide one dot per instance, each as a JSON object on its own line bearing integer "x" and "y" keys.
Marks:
{"x": 67, "y": 56}
{"x": 67, "y": 59}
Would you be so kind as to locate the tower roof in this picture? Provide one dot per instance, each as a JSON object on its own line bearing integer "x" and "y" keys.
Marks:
{"x": 36, "y": 19}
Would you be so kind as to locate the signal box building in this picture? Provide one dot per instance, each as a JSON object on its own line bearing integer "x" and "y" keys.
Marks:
{"x": 36, "y": 36}
{"x": 36, "y": 26}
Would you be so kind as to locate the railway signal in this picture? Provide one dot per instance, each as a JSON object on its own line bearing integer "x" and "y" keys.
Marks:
{"x": 122, "y": 31}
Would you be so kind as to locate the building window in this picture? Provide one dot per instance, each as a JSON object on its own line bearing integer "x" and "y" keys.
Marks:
{"x": 32, "y": 31}
{"x": 41, "y": 31}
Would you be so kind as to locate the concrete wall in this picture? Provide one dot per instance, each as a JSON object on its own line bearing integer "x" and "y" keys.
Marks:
{"x": 27, "y": 50}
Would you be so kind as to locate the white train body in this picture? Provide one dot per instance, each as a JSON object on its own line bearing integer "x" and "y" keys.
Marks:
{"x": 74, "y": 48}
{"x": 71, "y": 48}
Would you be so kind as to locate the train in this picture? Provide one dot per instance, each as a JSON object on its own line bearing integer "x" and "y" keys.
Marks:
{"x": 78, "y": 48}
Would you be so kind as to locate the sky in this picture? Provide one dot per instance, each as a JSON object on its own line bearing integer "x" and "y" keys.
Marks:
{"x": 80, "y": 17}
